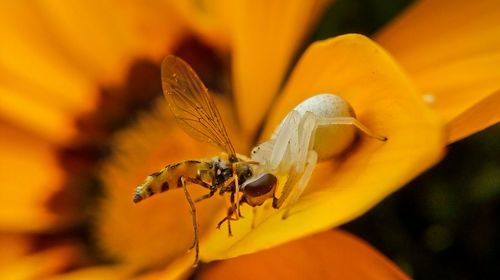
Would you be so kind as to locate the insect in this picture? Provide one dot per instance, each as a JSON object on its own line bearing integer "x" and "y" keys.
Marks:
{"x": 195, "y": 110}
{"x": 309, "y": 133}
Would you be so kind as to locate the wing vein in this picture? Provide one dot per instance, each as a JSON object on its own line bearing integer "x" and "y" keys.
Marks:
{"x": 192, "y": 104}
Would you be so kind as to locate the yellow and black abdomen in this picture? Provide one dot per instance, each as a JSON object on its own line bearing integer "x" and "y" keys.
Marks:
{"x": 169, "y": 178}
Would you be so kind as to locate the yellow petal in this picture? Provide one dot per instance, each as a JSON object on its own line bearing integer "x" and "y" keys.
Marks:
{"x": 159, "y": 230}
{"x": 328, "y": 255}
{"x": 451, "y": 49}
{"x": 476, "y": 118}
{"x": 30, "y": 176}
{"x": 355, "y": 68}
{"x": 266, "y": 35}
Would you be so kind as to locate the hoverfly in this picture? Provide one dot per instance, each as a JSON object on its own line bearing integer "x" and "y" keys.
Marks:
{"x": 195, "y": 110}
{"x": 317, "y": 129}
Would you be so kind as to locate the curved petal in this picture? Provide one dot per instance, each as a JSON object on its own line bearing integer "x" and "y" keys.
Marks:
{"x": 102, "y": 39}
{"x": 30, "y": 176}
{"x": 476, "y": 118}
{"x": 26, "y": 109}
{"x": 55, "y": 54}
{"x": 43, "y": 264}
{"x": 95, "y": 272}
{"x": 329, "y": 255}
{"x": 14, "y": 246}
{"x": 355, "y": 68}
{"x": 451, "y": 49}
{"x": 266, "y": 35}
{"x": 40, "y": 91}
{"x": 210, "y": 19}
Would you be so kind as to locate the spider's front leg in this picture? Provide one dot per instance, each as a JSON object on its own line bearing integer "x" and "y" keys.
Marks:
{"x": 351, "y": 121}
{"x": 296, "y": 138}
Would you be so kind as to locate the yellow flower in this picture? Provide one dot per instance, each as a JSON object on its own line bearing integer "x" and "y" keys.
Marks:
{"x": 82, "y": 48}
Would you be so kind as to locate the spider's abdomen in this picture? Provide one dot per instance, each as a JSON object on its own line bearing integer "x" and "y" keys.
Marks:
{"x": 329, "y": 140}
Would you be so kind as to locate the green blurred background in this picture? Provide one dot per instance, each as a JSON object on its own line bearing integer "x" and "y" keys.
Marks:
{"x": 443, "y": 225}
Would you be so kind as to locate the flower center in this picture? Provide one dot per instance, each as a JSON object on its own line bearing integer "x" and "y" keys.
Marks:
{"x": 117, "y": 108}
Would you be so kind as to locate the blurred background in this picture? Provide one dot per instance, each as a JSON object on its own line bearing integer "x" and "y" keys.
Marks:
{"x": 444, "y": 224}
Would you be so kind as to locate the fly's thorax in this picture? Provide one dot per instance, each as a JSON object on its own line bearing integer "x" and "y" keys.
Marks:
{"x": 329, "y": 140}
{"x": 221, "y": 169}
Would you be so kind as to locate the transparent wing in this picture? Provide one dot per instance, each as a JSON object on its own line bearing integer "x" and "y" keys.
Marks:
{"x": 192, "y": 105}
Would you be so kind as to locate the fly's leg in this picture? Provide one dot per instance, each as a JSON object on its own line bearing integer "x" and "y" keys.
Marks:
{"x": 205, "y": 196}
{"x": 203, "y": 184}
{"x": 228, "y": 218}
{"x": 236, "y": 194}
{"x": 237, "y": 198}
{"x": 233, "y": 207}
{"x": 351, "y": 121}
{"x": 196, "y": 243}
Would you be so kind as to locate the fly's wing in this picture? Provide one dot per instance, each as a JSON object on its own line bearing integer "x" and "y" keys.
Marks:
{"x": 192, "y": 105}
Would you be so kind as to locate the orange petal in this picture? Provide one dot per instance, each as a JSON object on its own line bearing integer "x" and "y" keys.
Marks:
{"x": 43, "y": 264}
{"x": 329, "y": 255}
{"x": 14, "y": 246}
{"x": 210, "y": 19}
{"x": 451, "y": 49}
{"x": 26, "y": 110}
{"x": 29, "y": 55}
{"x": 478, "y": 117}
{"x": 102, "y": 39}
{"x": 181, "y": 268}
{"x": 158, "y": 230}
{"x": 40, "y": 89}
{"x": 355, "y": 68}
{"x": 266, "y": 35}
{"x": 30, "y": 177}
{"x": 95, "y": 272}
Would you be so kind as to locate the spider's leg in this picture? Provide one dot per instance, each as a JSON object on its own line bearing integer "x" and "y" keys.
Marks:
{"x": 307, "y": 130}
{"x": 301, "y": 161}
{"x": 312, "y": 159}
{"x": 286, "y": 137}
{"x": 351, "y": 121}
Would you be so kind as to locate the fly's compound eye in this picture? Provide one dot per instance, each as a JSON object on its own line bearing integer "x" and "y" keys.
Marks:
{"x": 264, "y": 184}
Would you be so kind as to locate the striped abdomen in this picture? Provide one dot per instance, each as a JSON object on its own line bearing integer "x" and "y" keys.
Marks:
{"x": 169, "y": 178}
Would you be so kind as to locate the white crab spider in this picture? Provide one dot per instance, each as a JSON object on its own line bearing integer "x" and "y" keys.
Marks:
{"x": 318, "y": 129}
